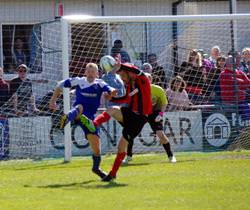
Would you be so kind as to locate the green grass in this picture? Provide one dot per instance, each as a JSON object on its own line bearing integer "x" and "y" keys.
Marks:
{"x": 198, "y": 181}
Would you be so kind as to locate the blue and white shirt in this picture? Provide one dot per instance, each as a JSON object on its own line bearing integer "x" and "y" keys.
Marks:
{"x": 115, "y": 81}
{"x": 88, "y": 94}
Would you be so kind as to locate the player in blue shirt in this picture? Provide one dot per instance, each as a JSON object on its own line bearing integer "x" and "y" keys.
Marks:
{"x": 88, "y": 94}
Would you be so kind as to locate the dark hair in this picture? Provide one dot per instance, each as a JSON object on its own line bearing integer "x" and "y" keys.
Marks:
{"x": 177, "y": 79}
{"x": 18, "y": 38}
{"x": 233, "y": 53}
{"x": 118, "y": 41}
{"x": 152, "y": 55}
{"x": 222, "y": 57}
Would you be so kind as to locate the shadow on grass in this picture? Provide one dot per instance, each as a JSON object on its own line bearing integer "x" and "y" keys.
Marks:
{"x": 106, "y": 185}
{"x": 159, "y": 162}
{"x": 184, "y": 161}
{"x": 135, "y": 164}
{"x": 90, "y": 184}
{"x": 48, "y": 166}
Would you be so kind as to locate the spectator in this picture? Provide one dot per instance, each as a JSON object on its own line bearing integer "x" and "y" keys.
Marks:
{"x": 237, "y": 57}
{"x": 4, "y": 89}
{"x": 147, "y": 68}
{"x": 205, "y": 62}
{"x": 245, "y": 63}
{"x": 158, "y": 73}
{"x": 21, "y": 91}
{"x": 18, "y": 55}
{"x": 214, "y": 54}
{"x": 212, "y": 77}
{"x": 233, "y": 88}
{"x": 117, "y": 49}
{"x": 177, "y": 95}
{"x": 194, "y": 75}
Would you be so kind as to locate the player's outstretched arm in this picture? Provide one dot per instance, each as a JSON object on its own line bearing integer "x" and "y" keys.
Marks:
{"x": 52, "y": 104}
{"x": 68, "y": 83}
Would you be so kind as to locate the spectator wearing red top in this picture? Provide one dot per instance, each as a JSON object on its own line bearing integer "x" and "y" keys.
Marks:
{"x": 233, "y": 88}
{"x": 133, "y": 117}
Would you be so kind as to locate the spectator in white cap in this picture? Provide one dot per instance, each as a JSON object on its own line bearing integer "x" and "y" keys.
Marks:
{"x": 147, "y": 68}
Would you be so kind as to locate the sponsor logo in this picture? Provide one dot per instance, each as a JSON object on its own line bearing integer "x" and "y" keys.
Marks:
{"x": 239, "y": 121}
{"x": 93, "y": 95}
{"x": 217, "y": 130}
{"x": 134, "y": 92}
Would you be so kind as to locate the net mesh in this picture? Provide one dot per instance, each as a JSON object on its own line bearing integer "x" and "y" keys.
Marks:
{"x": 196, "y": 119}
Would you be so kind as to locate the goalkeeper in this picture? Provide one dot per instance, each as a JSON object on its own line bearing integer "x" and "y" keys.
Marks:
{"x": 88, "y": 94}
{"x": 159, "y": 101}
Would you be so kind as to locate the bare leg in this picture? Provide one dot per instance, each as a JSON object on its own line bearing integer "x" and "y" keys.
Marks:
{"x": 94, "y": 142}
{"x": 116, "y": 113}
{"x": 161, "y": 135}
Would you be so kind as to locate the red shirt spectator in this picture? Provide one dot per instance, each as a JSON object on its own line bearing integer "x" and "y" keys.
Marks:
{"x": 227, "y": 84}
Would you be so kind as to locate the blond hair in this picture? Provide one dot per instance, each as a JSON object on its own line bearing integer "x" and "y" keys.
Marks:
{"x": 149, "y": 76}
{"x": 92, "y": 66}
{"x": 195, "y": 54}
{"x": 245, "y": 49}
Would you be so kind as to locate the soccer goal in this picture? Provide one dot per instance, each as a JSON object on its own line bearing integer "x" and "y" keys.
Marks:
{"x": 200, "y": 122}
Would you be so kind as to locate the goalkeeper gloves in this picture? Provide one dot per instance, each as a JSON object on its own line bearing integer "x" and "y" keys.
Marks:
{"x": 159, "y": 117}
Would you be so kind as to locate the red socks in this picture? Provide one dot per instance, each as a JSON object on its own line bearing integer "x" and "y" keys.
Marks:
{"x": 101, "y": 118}
{"x": 117, "y": 163}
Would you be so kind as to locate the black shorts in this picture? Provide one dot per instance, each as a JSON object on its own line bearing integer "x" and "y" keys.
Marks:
{"x": 132, "y": 123}
{"x": 155, "y": 126}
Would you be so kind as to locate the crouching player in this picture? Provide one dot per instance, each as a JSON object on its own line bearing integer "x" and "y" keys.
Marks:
{"x": 88, "y": 94}
{"x": 159, "y": 100}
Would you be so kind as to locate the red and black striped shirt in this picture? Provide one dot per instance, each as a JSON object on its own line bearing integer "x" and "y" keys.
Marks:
{"x": 138, "y": 94}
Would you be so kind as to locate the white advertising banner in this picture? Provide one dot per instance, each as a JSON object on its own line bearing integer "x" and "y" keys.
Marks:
{"x": 31, "y": 137}
{"x": 184, "y": 130}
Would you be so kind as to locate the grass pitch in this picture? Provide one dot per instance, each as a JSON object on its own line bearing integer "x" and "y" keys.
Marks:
{"x": 197, "y": 181}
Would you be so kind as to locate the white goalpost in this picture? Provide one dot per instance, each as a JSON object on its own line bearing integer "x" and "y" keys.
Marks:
{"x": 66, "y": 94}
{"x": 62, "y": 48}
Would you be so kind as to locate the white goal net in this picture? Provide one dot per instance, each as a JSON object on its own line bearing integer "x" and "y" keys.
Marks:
{"x": 208, "y": 112}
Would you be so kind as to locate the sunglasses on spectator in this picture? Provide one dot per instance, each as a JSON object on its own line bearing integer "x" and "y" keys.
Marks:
{"x": 22, "y": 70}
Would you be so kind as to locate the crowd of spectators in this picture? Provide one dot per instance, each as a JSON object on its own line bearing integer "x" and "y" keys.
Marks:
{"x": 198, "y": 80}
{"x": 204, "y": 79}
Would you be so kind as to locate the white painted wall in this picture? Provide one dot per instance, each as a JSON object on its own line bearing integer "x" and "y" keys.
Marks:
{"x": 26, "y": 11}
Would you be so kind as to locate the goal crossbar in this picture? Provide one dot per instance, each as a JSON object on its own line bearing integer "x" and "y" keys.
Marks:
{"x": 164, "y": 18}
